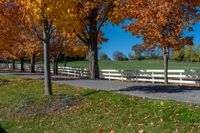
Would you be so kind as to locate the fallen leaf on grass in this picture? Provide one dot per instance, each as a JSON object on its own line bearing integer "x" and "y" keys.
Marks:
{"x": 141, "y": 131}
{"x": 112, "y": 131}
{"x": 161, "y": 103}
{"x": 101, "y": 130}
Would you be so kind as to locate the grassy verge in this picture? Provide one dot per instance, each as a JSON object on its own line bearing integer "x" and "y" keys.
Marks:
{"x": 24, "y": 108}
{"x": 135, "y": 65}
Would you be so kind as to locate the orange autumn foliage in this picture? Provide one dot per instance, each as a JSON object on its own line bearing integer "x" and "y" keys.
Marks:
{"x": 160, "y": 23}
{"x": 16, "y": 40}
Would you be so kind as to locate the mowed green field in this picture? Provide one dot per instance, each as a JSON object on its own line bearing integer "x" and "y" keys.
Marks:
{"x": 24, "y": 109}
{"x": 135, "y": 65}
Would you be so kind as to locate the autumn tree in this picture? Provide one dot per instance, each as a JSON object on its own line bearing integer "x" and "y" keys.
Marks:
{"x": 85, "y": 18}
{"x": 34, "y": 50}
{"x": 29, "y": 48}
{"x": 57, "y": 47}
{"x": 161, "y": 24}
{"x": 64, "y": 44}
{"x": 39, "y": 18}
{"x": 15, "y": 36}
{"x": 137, "y": 52}
{"x": 12, "y": 35}
{"x": 192, "y": 2}
{"x": 8, "y": 27}
{"x": 75, "y": 48}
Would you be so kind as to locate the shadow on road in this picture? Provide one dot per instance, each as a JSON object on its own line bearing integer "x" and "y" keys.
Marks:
{"x": 160, "y": 89}
{"x": 63, "y": 78}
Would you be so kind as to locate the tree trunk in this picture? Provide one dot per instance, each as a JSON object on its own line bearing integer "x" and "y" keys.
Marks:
{"x": 93, "y": 45}
{"x": 7, "y": 64}
{"x": 22, "y": 64}
{"x": 47, "y": 72}
{"x": 55, "y": 67}
{"x": 166, "y": 60}
{"x": 65, "y": 62}
{"x": 13, "y": 64}
{"x": 33, "y": 57}
{"x": 93, "y": 62}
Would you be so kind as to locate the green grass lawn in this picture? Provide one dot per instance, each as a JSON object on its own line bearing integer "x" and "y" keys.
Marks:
{"x": 135, "y": 65}
{"x": 24, "y": 109}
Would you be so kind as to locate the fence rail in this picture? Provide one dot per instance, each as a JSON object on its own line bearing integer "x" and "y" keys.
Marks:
{"x": 153, "y": 76}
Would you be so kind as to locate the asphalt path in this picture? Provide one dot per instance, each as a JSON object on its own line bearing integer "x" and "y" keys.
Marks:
{"x": 145, "y": 90}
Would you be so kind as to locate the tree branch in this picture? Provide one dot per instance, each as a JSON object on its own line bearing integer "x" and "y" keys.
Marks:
{"x": 82, "y": 39}
{"x": 33, "y": 25}
{"x": 110, "y": 7}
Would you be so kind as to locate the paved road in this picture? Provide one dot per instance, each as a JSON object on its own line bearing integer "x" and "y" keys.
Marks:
{"x": 178, "y": 93}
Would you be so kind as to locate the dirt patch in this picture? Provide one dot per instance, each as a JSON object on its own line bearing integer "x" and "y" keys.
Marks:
{"x": 49, "y": 105}
{"x": 58, "y": 103}
{"x": 3, "y": 82}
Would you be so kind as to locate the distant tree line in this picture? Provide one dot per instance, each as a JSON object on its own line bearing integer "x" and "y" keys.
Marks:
{"x": 189, "y": 54}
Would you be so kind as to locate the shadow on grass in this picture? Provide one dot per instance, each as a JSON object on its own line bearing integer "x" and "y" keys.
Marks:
{"x": 160, "y": 89}
{"x": 91, "y": 93}
{"x": 2, "y": 130}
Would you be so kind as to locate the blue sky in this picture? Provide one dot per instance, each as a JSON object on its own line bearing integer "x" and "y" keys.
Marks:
{"x": 120, "y": 40}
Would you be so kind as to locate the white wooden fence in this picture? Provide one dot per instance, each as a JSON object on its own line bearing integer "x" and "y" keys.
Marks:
{"x": 153, "y": 76}
{"x": 71, "y": 71}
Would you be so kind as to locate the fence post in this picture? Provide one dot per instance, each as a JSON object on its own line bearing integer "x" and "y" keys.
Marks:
{"x": 74, "y": 73}
{"x": 122, "y": 75}
{"x": 100, "y": 74}
{"x": 60, "y": 70}
{"x": 153, "y": 77}
{"x": 137, "y": 73}
{"x": 87, "y": 73}
{"x": 82, "y": 72}
{"x": 132, "y": 76}
{"x": 109, "y": 75}
{"x": 67, "y": 71}
{"x": 181, "y": 78}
